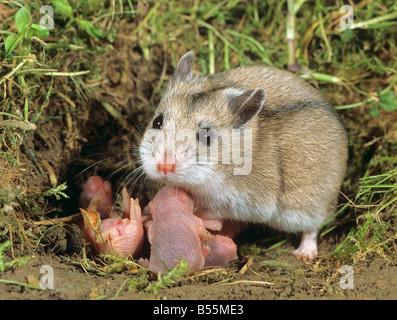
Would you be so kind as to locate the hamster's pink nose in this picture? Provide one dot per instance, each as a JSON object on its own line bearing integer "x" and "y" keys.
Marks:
{"x": 166, "y": 167}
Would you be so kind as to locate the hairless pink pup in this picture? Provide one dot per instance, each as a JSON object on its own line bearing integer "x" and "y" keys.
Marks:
{"x": 176, "y": 233}
{"x": 103, "y": 227}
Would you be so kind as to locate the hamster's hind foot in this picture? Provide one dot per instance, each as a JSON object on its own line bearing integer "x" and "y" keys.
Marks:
{"x": 307, "y": 250}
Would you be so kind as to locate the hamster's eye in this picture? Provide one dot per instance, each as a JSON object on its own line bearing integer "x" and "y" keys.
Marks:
{"x": 158, "y": 122}
{"x": 206, "y": 136}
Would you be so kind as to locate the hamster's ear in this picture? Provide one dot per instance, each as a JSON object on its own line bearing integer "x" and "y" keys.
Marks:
{"x": 184, "y": 69}
{"x": 245, "y": 105}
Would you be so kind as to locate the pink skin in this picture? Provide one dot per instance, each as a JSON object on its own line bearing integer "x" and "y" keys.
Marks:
{"x": 176, "y": 233}
{"x": 222, "y": 251}
{"x": 114, "y": 234}
{"x": 96, "y": 187}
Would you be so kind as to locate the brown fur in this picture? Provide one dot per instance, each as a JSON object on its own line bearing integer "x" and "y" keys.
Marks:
{"x": 299, "y": 142}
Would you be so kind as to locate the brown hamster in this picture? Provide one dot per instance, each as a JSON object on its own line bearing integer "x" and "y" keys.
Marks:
{"x": 252, "y": 144}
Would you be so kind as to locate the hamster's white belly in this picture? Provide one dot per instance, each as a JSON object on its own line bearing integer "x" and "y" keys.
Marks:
{"x": 233, "y": 205}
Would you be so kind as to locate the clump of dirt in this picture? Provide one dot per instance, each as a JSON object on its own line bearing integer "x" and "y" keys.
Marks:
{"x": 64, "y": 239}
{"x": 128, "y": 80}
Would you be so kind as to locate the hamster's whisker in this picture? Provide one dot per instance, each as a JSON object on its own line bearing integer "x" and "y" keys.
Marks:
{"x": 121, "y": 168}
{"x": 132, "y": 179}
{"x": 92, "y": 165}
{"x": 127, "y": 181}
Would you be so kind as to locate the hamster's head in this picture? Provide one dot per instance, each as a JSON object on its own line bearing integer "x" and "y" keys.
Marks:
{"x": 190, "y": 137}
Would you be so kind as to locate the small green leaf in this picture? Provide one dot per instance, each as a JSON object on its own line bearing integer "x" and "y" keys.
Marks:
{"x": 346, "y": 35}
{"x": 388, "y": 101}
{"x": 90, "y": 29}
{"x": 5, "y": 245}
{"x": 63, "y": 7}
{"x": 56, "y": 191}
{"x": 12, "y": 42}
{"x": 22, "y": 20}
{"x": 373, "y": 109}
{"x": 38, "y": 31}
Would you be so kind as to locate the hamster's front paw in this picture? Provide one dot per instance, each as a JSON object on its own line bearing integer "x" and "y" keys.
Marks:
{"x": 307, "y": 250}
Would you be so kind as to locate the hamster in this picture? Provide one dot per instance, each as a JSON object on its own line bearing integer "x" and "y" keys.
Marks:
{"x": 254, "y": 144}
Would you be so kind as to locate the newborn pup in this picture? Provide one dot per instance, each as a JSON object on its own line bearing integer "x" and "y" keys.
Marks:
{"x": 222, "y": 250}
{"x": 253, "y": 144}
{"x": 114, "y": 234}
{"x": 176, "y": 233}
{"x": 96, "y": 187}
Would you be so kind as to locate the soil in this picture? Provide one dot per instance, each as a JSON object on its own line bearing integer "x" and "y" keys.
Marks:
{"x": 91, "y": 141}
{"x": 276, "y": 274}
